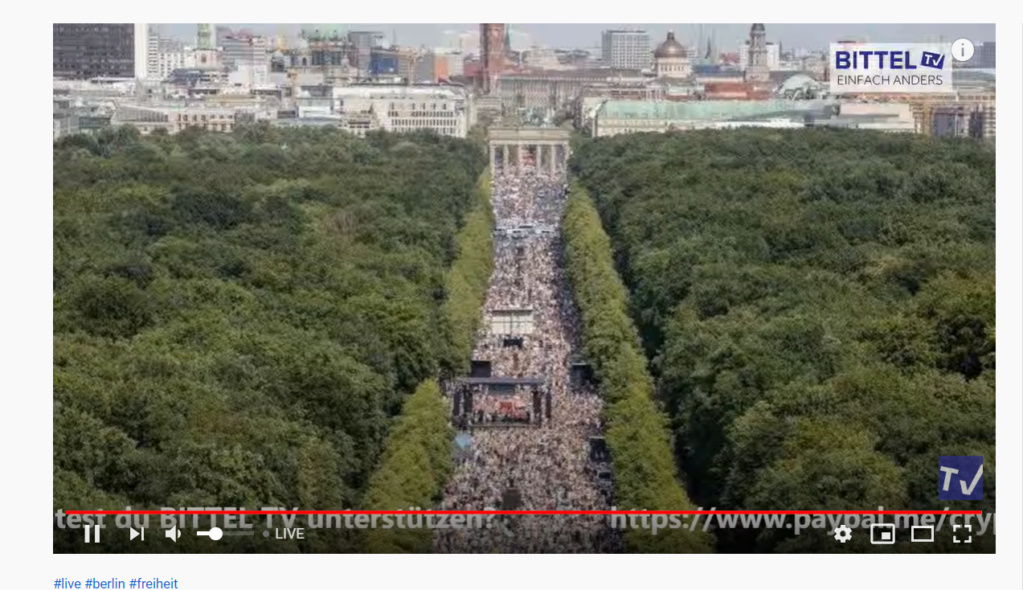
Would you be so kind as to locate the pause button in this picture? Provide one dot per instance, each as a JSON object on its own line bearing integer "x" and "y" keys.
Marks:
{"x": 92, "y": 533}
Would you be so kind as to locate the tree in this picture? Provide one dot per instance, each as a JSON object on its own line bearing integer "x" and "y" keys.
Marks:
{"x": 817, "y": 308}
{"x": 239, "y": 317}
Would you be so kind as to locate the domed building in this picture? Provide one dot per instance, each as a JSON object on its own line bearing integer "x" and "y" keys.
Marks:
{"x": 671, "y": 60}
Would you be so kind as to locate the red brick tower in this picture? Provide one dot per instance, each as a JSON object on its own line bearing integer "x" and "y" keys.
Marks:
{"x": 491, "y": 55}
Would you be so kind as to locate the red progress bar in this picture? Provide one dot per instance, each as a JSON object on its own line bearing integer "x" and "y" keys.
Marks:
{"x": 522, "y": 512}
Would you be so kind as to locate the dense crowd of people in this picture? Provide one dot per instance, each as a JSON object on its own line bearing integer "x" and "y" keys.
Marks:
{"x": 547, "y": 466}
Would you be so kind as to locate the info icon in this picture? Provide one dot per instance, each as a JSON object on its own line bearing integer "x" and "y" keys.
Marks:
{"x": 962, "y": 50}
{"x": 882, "y": 533}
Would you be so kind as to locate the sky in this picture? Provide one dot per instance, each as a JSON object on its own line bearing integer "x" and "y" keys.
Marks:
{"x": 727, "y": 36}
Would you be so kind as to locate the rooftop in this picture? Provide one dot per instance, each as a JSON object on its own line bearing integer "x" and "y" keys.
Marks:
{"x": 374, "y": 90}
{"x": 708, "y": 110}
{"x": 973, "y": 78}
{"x": 781, "y": 76}
{"x": 671, "y": 48}
{"x": 593, "y": 73}
{"x": 797, "y": 81}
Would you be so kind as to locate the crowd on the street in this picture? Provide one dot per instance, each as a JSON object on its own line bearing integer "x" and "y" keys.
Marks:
{"x": 547, "y": 466}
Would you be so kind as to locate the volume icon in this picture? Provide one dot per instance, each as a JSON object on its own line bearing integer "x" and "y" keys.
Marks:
{"x": 173, "y": 534}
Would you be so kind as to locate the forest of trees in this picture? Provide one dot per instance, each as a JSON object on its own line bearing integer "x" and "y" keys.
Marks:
{"x": 417, "y": 456}
{"x": 819, "y": 310}
{"x": 645, "y": 475}
{"x": 238, "y": 318}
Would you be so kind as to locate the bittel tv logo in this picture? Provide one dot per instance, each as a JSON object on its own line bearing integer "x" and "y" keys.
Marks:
{"x": 960, "y": 477}
{"x": 890, "y": 68}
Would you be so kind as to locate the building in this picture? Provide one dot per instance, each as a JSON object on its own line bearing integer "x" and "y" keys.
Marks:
{"x": 221, "y": 34}
{"x": 957, "y": 121}
{"x": 726, "y": 90}
{"x": 206, "y": 60}
{"x": 73, "y": 123}
{"x": 94, "y": 91}
{"x": 471, "y": 69}
{"x": 402, "y": 108}
{"x": 82, "y": 109}
{"x": 615, "y": 117}
{"x": 325, "y": 58}
{"x": 890, "y": 117}
{"x": 362, "y": 44}
{"x": 395, "y": 64}
{"x": 541, "y": 58}
{"x": 983, "y": 56}
{"x": 171, "y": 60}
{"x": 243, "y": 49}
{"x": 62, "y": 126}
{"x": 174, "y": 118}
{"x": 326, "y": 50}
{"x": 556, "y": 89}
{"x": 383, "y": 62}
{"x": 626, "y": 49}
{"x": 961, "y": 116}
{"x": 492, "y": 53}
{"x": 153, "y": 53}
{"x": 315, "y": 102}
{"x": 486, "y": 107}
{"x": 778, "y": 123}
{"x": 456, "y": 64}
{"x": 100, "y": 50}
{"x": 194, "y": 82}
{"x": 982, "y": 122}
{"x": 974, "y": 95}
{"x": 249, "y": 76}
{"x": 204, "y": 36}
{"x": 591, "y": 96}
{"x": 671, "y": 60}
{"x": 800, "y": 85}
{"x": 774, "y": 60}
{"x": 507, "y": 47}
{"x": 141, "y": 49}
{"x": 757, "y": 69}
{"x": 407, "y": 59}
{"x": 166, "y": 55}
{"x": 431, "y": 67}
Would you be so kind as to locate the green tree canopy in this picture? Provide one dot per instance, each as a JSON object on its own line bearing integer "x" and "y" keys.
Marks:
{"x": 817, "y": 307}
{"x": 238, "y": 317}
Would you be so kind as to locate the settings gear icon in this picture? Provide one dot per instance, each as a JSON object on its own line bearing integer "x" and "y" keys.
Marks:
{"x": 843, "y": 534}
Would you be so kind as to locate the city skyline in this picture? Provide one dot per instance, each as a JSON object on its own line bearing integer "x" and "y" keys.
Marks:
{"x": 568, "y": 35}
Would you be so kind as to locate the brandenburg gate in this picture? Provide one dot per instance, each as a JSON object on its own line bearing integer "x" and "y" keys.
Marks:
{"x": 511, "y": 147}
